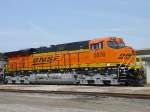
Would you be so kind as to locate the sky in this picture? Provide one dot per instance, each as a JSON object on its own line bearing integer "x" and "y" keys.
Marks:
{"x": 35, "y": 23}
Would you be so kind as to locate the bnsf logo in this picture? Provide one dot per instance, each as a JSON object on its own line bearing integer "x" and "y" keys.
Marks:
{"x": 125, "y": 56}
{"x": 48, "y": 59}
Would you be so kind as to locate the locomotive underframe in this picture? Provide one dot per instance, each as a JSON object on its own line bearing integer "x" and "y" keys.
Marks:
{"x": 113, "y": 75}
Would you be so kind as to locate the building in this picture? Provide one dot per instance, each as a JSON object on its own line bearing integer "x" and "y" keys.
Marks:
{"x": 145, "y": 55}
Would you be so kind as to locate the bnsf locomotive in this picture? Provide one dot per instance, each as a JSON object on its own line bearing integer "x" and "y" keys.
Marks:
{"x": 101, "y": 61}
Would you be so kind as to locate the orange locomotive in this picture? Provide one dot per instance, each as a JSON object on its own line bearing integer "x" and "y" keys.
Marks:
{"x": 99, "y": 61}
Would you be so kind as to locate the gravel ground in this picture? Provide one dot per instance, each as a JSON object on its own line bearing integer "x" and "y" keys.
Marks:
{"x": 35, "y": 102}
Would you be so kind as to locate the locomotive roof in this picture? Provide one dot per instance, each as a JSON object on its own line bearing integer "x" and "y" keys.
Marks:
{"x": 21, "y": 52}
{"x": 52, "y": 48}
{"x": 70, "y": 46}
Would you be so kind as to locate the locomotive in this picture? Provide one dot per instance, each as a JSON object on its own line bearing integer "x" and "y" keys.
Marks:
{"x": 100, "y": 61}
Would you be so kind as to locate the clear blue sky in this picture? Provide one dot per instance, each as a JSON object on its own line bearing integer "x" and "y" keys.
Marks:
{"x": 34, "y": 23}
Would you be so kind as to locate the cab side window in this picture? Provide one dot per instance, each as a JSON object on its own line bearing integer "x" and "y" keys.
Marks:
{"x": 97, "y": 45}
{"x": 101, "y": 45}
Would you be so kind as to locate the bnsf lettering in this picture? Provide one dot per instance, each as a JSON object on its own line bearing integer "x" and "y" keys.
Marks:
{"x": 49, "y": 59}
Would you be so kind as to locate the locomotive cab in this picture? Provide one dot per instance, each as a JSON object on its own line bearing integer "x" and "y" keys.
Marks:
{"x": 112, "y": 50}
{"x": 110, "y": 42}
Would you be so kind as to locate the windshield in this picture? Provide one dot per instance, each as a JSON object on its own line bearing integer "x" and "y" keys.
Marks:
{"x": 114, "y": 44}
